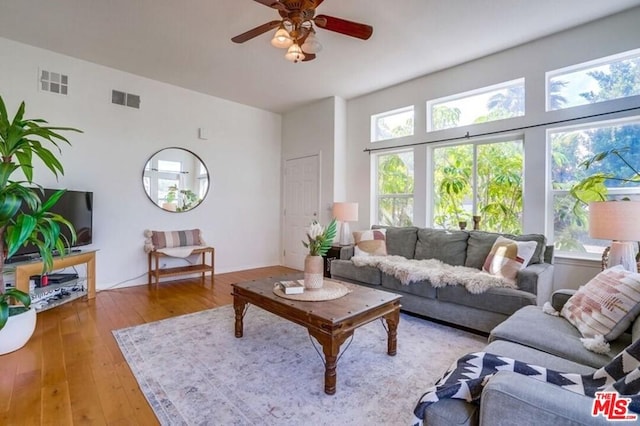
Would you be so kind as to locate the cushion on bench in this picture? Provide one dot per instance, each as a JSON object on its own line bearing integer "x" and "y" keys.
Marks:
{"x": 167, "y": 239}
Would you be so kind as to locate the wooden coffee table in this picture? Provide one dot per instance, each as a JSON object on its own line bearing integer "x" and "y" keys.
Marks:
{"x": 330, "y": 322}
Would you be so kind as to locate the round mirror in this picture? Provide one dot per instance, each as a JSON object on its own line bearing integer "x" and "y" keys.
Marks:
{"x": 175, "y": 179}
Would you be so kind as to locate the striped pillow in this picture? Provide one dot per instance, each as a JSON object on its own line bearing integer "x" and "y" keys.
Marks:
{"x": 606, "y": 305}
{"x": 168, "y": 239}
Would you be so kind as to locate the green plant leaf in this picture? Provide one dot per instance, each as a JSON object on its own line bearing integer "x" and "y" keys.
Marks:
{"x": 4, "y": 313}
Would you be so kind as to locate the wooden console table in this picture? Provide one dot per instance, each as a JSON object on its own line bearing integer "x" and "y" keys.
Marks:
{"x": 25, "y": 270}
{"x": 155, "y": 272}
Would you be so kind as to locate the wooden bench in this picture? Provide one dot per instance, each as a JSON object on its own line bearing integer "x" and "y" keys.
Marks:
{"x": 156, "y": 272}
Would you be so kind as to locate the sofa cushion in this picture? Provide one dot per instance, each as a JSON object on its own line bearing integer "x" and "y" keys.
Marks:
{"x": 536, "y": 357}
{"x": 370, "y": 243}
{"x": 401, "y": 241}
{"x": 445, "y": 245}
{"x": 507, "y": 257}
{"x": 420, "y": 288}
{"x": 451, "y": 412}
{"x": 502, "y": 300}
{"x": 480, "y": 243}
{"x": 531, "y": 327}
{"x": 346, "y": 269}
{"x": 606, "y": 305}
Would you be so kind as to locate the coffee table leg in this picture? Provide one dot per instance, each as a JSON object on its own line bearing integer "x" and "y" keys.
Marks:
{"x": 238, "y": 307}
{"x": 392, "y": 320}
{"x": 331, "y": 349}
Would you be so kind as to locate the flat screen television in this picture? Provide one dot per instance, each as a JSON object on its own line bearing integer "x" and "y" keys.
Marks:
{"x": 77, "y": 208}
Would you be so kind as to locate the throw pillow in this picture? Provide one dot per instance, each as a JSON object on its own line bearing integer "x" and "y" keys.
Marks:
{"x": 507, "y": 257}
{"x": 370, "y": 243}
{"x": 168, "y": 239}
{"x": 606, "y": 305}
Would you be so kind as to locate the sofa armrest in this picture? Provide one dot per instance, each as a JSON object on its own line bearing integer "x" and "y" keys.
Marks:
{"x": 537, "y": 279}
{"x": 346, "y": 252}
{"x": 560, "y": 297}
{"x": 511, "y": 397}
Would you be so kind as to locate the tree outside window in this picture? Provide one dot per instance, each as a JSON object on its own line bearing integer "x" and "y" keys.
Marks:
{"x": 612, "y": 77}
{"x": 479, "y": 180}
{"x": 570, "y": 149}
{"x": 498, "y": 102}
{"x": 395, "y": 180}
{"x": 392, "y": 124}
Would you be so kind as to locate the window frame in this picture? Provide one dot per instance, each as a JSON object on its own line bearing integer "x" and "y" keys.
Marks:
{"x": 431, "y": 103}
{"x": 390, "y": 113}
{"x": 475, "y": 143}
{"x": 374, "y": 187}
{"x": 583, "y": 66}
{"x": 552, "y": 193}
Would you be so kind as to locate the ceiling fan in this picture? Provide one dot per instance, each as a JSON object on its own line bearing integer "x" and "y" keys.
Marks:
{"x": 296, "y": 31}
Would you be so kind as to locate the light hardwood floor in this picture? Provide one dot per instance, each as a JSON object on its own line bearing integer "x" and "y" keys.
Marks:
{"x": 72, "y": 372}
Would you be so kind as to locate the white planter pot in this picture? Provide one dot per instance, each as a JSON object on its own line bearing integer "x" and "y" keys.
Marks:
{"x": 17, "y": 331}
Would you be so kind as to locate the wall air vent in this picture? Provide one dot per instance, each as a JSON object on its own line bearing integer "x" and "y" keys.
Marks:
{"x": 54, "y": 82}
{"x": 125, "y": 99}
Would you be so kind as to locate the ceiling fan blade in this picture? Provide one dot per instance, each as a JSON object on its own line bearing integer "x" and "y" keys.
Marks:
{"x": 343, "y": 26}
{"x": 308, "y": 57}
{"x": 255, "y": 32}
{"x": 274, "y": 4}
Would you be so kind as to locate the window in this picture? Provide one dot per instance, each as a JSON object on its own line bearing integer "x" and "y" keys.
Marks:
{"x": 570, "y": 147}
{"x": 394, "y": 188}
{"x": 479, "y": 179}
{"x": 203, "y": 181}
{"x": 161, "y": 179}
{"x": 490, "y": 103}
{"x": 613, "y": 77}
{"x": 392, "y": 124}
{"x": 166, "y": 166}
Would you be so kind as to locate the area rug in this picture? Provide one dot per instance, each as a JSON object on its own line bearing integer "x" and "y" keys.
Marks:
{"x": 194, "y": 371}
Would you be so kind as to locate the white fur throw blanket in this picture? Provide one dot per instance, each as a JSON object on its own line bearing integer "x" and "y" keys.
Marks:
{"x": 438, "y": 273}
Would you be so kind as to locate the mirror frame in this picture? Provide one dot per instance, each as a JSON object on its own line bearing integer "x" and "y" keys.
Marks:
{"x": 192, "y": 189}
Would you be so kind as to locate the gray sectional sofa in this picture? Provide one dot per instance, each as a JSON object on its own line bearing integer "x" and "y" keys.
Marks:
{"x": 454, "y": 304}
{"x": 509, "y": 398}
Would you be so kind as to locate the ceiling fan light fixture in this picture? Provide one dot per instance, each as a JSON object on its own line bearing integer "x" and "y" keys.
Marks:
{"x": 281, "y": 39}
{"x": 311, "y": 44}
{"x": 294, "y": 54}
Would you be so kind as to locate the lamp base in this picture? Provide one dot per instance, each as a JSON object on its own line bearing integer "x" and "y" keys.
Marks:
{"x": 345, "y": 234}
{"x": 623, "y": 253}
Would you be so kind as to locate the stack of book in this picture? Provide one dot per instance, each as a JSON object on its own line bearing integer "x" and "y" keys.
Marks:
{"x": 291, "y": 287}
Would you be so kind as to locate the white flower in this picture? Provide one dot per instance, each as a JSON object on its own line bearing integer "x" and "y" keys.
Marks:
{"x": 315, "y": 230}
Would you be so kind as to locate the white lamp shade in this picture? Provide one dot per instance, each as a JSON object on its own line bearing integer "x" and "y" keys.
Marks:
{"x": 615, "y": 220}
{"x": 281, "y": 39}
{"x": 345, "y": 212}
{"x": 311, "y": 43}
{"x": 294, "y": 54}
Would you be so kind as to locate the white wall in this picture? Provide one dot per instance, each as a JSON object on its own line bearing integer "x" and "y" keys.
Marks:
{"x": 240, "y": 215}
{"x": 601, "y": 38}
{"x": 311, "y": 130}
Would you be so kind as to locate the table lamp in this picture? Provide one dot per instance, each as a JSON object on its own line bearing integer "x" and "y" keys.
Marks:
{"x": 618, "y": 221}
{"x": 345, "y": 213}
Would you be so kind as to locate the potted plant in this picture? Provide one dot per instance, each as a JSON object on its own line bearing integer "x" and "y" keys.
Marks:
{"x": 320, "y": 240}
{"x": 24, "y": 217}
{"x": 182, "y": 199}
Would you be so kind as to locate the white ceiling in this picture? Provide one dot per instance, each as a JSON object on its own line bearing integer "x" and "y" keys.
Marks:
{"x": 187, "y": 42}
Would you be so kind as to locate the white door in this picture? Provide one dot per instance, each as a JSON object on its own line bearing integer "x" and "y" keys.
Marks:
{"x": 301, "y": 206}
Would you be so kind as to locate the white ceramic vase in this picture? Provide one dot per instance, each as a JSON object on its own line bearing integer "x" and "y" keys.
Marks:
{"x": 313, "y": 272}
{"x": 17, "y": 331}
